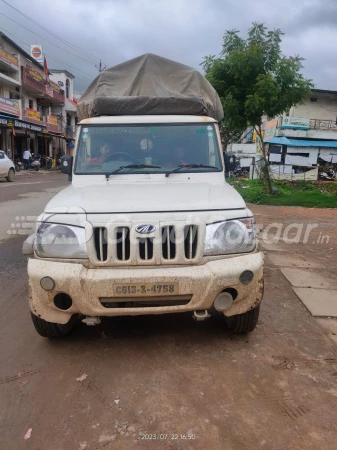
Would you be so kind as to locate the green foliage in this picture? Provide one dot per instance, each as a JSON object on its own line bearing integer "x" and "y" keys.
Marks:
{"x": 289, "y": 193}
{"x": 253, "y": 78}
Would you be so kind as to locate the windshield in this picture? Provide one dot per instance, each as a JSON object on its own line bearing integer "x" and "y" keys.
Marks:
{"x": 147, "y": 149}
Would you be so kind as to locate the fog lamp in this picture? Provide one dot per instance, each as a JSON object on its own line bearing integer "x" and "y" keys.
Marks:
{"x": 246, "y": 277}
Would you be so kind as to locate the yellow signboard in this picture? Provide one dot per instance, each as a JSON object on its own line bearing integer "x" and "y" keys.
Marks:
{"x": 52, "y": 120}
{"x": 55, "y": 86}
{"x": 8, "y": 58}
{"x": 34, "y": 74}
{"x": 32, "y": 114}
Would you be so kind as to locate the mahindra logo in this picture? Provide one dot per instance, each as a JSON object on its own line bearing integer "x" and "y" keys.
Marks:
{"x": 145, "y": 229}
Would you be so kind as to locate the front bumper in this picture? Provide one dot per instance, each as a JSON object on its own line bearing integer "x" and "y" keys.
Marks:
{"x": 86, "y": 286}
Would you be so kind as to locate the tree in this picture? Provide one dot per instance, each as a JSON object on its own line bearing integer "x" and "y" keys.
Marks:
{"x": 253, "y": 78}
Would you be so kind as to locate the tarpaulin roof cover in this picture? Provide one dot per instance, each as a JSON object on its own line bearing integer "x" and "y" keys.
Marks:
{"x": 301, "y": 142}
{"x": 150, "y": 84}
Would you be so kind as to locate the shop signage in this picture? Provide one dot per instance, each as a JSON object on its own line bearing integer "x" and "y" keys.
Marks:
{"x": 54, "y": 86}
{"x": 28, "y": 126}
{"x": 3, "y": 121}
{"x": 40, "y": 78}
{"x": 298, "y": 123}
{"x": 35, "y": 74}
{"x": 52, "y": 120}
{"x": 9, "y": 106}
{"x": 9, "y": 59}
{"x": 32, "y": 114}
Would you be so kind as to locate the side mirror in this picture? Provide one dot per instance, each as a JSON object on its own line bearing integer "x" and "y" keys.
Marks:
{"x": 230, "y": 161}
{"x": 67, "y": 164}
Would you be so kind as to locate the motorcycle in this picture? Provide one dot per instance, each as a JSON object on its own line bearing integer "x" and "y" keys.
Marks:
{"x": 329, "y": 175}
{"x": 43, "y": 163}
{"x": 241, "y": 171}
{"x": 35, "y": 163}
{"x": 17, "y": 164}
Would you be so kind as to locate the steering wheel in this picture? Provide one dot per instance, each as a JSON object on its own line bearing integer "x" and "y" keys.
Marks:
{"x": 112, "y": 157}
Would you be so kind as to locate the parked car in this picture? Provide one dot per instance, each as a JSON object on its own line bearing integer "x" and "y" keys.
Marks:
{"x": 7, "y": 169}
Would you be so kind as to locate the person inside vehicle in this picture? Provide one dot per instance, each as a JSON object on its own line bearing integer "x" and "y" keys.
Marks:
{"x": 104, "y": 151}
{"x": 176, "y": 158}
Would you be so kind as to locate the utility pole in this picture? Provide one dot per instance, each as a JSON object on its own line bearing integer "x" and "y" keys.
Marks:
{"x": 100, "y": 66}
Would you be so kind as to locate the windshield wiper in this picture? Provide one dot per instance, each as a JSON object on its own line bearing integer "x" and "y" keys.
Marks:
{"x": 190, "y": 166}
{"x": 132, "y": 166}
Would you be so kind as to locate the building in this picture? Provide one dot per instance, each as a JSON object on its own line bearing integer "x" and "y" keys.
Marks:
{"x": 35, "y": 112}
{"x": 304, "y": 140}
{"x": 66, "y": 113}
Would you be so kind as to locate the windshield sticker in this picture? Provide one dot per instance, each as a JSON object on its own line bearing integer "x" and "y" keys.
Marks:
{"x": 209, "y": 128}
{"x": 201, "y": 131}
{"x": 157, "y": 139}
{"x": 85, "y": 130}
{"x": 210, "y": 134}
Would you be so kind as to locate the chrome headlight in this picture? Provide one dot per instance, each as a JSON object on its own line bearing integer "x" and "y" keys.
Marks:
{"x": 60, "y": 241}
{"x": 232, "y": 236}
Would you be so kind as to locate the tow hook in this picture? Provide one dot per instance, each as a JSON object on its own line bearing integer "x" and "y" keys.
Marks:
{"x": 91, "y": 321}
{"x": 201, "y": 315}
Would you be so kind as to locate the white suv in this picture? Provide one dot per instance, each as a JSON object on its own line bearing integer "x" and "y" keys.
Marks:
{"x": 7, "y": 169}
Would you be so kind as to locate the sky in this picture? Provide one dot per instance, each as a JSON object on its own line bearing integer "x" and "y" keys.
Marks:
{"x": 182, "y": 30}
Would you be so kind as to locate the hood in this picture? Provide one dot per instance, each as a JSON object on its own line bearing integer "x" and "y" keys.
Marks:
{"x": 163, "y": 196}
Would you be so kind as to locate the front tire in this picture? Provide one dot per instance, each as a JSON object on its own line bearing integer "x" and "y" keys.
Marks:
{"x": 36, "y": 168}
{"x": 11, "y": 175}
{"x": 243, "y": 323}
{"x": 51, "y": 329}
{"x": 17, "y": 167}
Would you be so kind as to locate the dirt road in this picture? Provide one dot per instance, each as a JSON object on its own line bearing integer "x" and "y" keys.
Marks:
{"x": 168, "y": 377}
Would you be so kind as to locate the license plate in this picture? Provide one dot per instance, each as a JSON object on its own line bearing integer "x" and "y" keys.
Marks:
{"x": 145, "y": 289}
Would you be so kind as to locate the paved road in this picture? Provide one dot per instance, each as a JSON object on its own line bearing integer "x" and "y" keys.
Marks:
{"x": 168, "y": 375}
{"x": 24, "y": 199}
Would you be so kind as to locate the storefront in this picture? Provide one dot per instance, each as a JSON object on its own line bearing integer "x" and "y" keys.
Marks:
{"x": 3, "y": 134}
{"x": 9, "y": 110}
{"x": 26, "y": 136}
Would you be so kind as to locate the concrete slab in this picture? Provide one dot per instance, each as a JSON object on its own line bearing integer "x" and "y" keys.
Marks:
{"x": 320, "y": 302}
{"x": 330, "y": 327}
{"x": 319, "y": 279}
{"x": 287, "y": 260}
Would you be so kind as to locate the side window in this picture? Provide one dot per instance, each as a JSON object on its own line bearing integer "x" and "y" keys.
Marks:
{"x": 2, "y": 155}
{"x": 31, "y": 104}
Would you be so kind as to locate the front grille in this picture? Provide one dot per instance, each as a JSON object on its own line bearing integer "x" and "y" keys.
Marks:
{"x": 145, "y": 302}
{"x": 190, "y": 241}
{"x": 123, "y": 243}
{"x": 172, "y": 243}
{"x": 168, "y": 242}
{"x": 145, "y": 248}
{"x": 101, "y": 243}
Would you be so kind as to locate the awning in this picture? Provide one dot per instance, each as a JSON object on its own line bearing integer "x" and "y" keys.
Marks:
{"x": 301, "y": 142}
{"x": 329, "y": 156}
{"x": 279, "y": 140}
